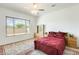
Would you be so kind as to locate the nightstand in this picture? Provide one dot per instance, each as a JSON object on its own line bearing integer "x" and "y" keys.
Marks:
{"x": 71, "y": 42}
{"x": 36, "y": 36}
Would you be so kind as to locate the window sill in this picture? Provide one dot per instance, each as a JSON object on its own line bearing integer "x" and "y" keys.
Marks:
{"x": 18, "y": 34}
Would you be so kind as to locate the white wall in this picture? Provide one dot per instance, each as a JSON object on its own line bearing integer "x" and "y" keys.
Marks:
{"x": 66, "y": 20}
{"x": 6, "y": 12}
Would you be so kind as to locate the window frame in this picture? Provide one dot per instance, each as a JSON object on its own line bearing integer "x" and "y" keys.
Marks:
{"x": 14, "y": 34}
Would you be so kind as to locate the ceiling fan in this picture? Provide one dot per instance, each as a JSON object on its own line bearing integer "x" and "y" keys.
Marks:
{"x": 35, "y": 9}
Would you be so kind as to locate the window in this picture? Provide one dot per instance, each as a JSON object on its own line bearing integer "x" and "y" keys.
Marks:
{"x": 10, "y": 26}
{"x": 17, "y": 26}
{"x": 20, "y": 26}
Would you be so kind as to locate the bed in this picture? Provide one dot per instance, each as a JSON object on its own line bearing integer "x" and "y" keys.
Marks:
{"x": 53, "y": 44}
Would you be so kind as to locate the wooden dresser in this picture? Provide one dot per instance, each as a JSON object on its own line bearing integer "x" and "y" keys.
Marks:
{"x": 71, "y": 42}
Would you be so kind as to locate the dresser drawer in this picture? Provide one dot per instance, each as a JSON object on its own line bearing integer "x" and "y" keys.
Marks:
{"x": 72, "y": 45}
{"x": 71, "y": 42}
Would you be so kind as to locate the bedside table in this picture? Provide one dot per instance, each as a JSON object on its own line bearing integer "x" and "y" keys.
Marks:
{"x": 71, "y": 42}
{"x": 37, "y": 36}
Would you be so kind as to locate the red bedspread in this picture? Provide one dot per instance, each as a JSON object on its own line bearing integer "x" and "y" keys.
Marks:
{"x": 50, "y": 45}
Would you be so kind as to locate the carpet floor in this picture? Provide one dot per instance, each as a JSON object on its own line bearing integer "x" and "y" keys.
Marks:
{"x": 67, "y": 51}
{"x": 32, "y": 51}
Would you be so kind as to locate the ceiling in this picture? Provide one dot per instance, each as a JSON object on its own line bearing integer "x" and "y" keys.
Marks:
{"x": 44, "y": 7}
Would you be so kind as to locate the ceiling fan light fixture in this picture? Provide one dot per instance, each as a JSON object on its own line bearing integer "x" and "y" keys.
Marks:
{"x": 34, "y": 5}
{"x": 35, "y": 12}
